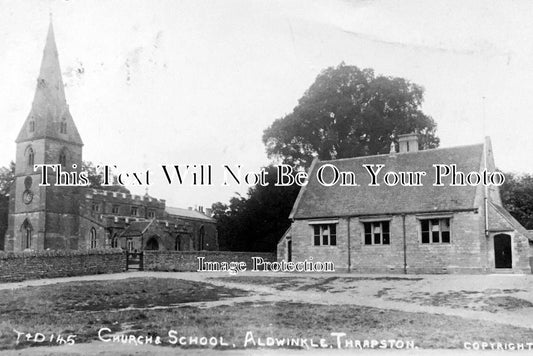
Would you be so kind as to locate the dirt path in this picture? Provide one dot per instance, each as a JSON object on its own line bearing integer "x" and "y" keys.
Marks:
{"x": 366, "y": 295}
{"x": 363, "y": 290}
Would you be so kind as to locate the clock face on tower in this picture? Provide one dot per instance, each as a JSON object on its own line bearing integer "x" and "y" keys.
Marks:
{"x": 27, "y": 196}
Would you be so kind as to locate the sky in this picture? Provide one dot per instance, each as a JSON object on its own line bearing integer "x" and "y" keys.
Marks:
{"x": 196, "y": 82}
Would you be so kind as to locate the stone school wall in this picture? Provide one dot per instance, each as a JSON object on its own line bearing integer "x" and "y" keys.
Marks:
{"x": 187, "y": 261}
{"x": 19, "y": 266}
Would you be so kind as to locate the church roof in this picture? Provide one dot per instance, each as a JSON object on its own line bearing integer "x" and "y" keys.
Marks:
{"x": 318, "y": 201}
{"x": 186, "y": 213}
{"x": 49, "y": 108}
{"x": 136, "y": 228}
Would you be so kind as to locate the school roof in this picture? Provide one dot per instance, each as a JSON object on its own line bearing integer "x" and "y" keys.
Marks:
{"x": 506, "y": 222}
{"x": 319, "y": 201}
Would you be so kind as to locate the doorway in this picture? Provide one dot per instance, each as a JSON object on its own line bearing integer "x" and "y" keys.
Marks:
{"x": 503, "y": 253}
{"x": 152, "y": 244}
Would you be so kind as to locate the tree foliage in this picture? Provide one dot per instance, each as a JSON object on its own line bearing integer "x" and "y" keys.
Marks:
{"x": 95, "y": 179}
{"x": 349, "y": 112}
{"x": 517, "y": 197}
{"x": 346, "y": 112}
{"x": 7, "y": 177}
{"x": 255, "y": 222}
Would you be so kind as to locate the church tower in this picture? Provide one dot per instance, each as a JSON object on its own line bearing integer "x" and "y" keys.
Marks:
{"x": 45, "y": 217}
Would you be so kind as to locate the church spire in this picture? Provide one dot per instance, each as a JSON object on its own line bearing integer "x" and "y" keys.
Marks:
{"x": 49, "y": 113}
{"x": 50, "y": 84}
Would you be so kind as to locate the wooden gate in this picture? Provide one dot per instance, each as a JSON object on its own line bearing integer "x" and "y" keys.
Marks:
{"x": 134, "y": 261}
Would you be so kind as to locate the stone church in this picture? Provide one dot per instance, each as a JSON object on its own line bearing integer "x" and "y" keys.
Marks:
{"x": 58, "y": 218}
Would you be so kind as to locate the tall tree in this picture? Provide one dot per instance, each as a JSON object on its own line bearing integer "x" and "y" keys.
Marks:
{"x": 346, "y": 112}
{"x": 349, "y": 112}
{"x": 7, "y": 177}
{"x": 517, "y": 197}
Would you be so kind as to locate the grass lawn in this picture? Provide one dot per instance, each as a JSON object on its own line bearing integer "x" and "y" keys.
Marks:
{"x": 82, "y": 308}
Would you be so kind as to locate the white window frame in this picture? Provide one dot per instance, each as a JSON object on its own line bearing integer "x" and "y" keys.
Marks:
{"x": 440, "y": 218}
{"x": 321, "y": 227}
{"x": 373, "y": 225}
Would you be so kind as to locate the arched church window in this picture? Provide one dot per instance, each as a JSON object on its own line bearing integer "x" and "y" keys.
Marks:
{"x": 26, "y": 234}
{"x": 63, "y": 157}
{"x": 31, "y": 157}
{"x": 114, "y": 241}
{"x": 177, "y": 243}
{"x": 63, "y": 127}
{"x": 93, "y": 237}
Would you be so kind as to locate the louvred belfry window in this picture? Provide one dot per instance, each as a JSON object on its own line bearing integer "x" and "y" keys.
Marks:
{"x": 63, "y": 127}
{"x": 31, "y": 157}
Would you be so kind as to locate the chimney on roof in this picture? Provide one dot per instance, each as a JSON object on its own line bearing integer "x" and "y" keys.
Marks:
{"x": 408, "y": 142}
{"x": 209, "y": 212}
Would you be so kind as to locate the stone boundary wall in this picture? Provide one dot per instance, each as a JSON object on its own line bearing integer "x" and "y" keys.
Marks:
{"x": 19, "y": 266}
{"x": 187, "y": 261}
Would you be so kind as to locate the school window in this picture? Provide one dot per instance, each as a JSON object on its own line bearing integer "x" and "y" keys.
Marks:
{"x": 134, "y": 211}
{"x": 32, "y": 126}
{"x": 96, "y": 207}
{"x": 114, "y": 209}
{"x": 435, "y": 231}
{"x": 63, "y": 127}
{"x": 151, "y": 214}
{"x": 325, "y": 234}
{"x": 377, "y": 233}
